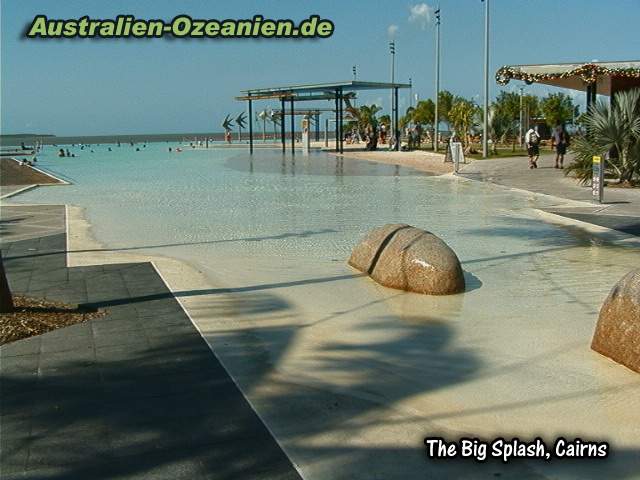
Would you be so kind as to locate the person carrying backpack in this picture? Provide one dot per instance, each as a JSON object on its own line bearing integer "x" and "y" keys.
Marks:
{"x": 532, "y": 140}
{"x": 560, "y": 139}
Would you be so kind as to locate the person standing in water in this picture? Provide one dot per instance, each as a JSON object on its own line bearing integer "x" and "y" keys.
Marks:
{"x": 532, "y": 140}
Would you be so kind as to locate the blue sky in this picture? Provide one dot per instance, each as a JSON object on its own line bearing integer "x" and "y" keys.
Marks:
{"x": 85, "y": 86}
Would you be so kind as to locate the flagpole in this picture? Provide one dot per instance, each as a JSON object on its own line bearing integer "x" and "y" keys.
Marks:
{"x": 436, "y": 119}
{"x": 485, "y": 114}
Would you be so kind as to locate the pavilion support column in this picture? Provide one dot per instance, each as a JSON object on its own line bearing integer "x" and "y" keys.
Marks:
{"x": 317, "y": 127}
{"x": 337, "y": 122}
{"x": 341, "y": 123}
{"x": 592, "y": 89}
{"x": 282, "y": 126}
{"x": 326, "y": 132}
{"x": 250, "y": 127}
{"x": 615, "y": 87}
{"x": 591, "y": 95}
{"x": 395, "y": 119}
{"x": 293, "y": 128}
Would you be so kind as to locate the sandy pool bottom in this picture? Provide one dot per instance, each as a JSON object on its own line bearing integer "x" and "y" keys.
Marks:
{"x": 350, "y": 376}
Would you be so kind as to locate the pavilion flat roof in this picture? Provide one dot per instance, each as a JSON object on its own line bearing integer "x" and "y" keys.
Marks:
{"x": 297, "y": 96}
{"x": 572, "y": 75}
{"x": 277, "y": 111}
{"x": 325, "y": 87}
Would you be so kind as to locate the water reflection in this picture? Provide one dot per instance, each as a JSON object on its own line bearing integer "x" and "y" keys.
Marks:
{"x": 316, "y": 163}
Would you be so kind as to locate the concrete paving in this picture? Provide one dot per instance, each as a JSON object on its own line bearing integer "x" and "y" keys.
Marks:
{"x": 31, "y": 221}
{"x": 620, "y": 210}
{"x": 10, "y": 190}
{"x": 136, "y": 394}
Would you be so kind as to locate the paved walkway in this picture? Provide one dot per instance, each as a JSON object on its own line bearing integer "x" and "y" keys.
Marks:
{"x": 620, "y": 211}
{"x": 133, "y": 395}
{"x": 9, "y": 190}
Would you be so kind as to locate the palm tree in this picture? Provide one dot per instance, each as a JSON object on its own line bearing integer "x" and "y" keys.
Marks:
{"x": 507, "y": 111}
{"x": 584, "y": 149}
{"x": 462, "y": 116}
{"x": 423, "y": 113}
{"x": 273, "y": 117}
{"x": 445, "y": 102}
{"x": 407, "y": 118}
{"x": 614, "y": 127}
{"x": 385, "y": 120}
{"x": 366, "y": 122}
{"x": 500, "y": 127}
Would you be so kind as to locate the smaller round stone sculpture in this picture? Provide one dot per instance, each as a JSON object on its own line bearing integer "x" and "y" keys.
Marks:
{"x": 407, "y": 258}
{"x": 617, "y": 334}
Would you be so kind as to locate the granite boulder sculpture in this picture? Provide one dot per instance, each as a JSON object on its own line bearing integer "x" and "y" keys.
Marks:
{"x": 617, "y": 334}
{"x": 407, "y": 258}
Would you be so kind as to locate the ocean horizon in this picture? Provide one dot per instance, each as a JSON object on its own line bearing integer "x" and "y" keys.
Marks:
{"x": 47, "y": 139}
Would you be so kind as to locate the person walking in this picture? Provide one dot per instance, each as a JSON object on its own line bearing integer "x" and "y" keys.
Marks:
{"x": 560, "y": 140}
{"x": 532, "y": 140}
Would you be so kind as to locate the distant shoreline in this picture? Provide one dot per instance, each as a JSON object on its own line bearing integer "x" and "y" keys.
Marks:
{"x": 45, "y": 139}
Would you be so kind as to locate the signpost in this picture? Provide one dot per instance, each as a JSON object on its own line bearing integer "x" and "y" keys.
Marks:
{"x": 597, "y": 181}
{"x": 306, "y": 141}
{"x": 457, "y": 155}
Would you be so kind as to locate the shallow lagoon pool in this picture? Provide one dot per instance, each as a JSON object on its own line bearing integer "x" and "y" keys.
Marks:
{"x": 347, "y": 373}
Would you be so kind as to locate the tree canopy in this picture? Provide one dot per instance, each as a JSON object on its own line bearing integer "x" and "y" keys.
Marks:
{"x": 445, "y": 102}
{"x": 463, "y": 116}
{"x": 424, "y": 113}
{"x": 557, "y": 109}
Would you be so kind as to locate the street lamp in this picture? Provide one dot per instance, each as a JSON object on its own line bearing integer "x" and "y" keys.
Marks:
{"x": 436, "y": 119}
{"x": 520, "y": 134}
{"x": 355, "y": 76}
{"x": 410, "y": 93}
{"x": 485, "y": 114}
{"x": 392, "y": 50}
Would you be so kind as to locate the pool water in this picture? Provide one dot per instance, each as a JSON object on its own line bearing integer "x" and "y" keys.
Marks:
{"x": 297, "y": 327}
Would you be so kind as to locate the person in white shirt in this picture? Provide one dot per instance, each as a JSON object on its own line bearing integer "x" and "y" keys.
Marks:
{"x": 532, "y": 141}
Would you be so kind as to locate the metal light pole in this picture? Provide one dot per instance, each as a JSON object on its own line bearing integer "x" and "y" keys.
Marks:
{"x": 355, "y": 76}
{"x": 485, "y": 114}
{"x": 392, "y": 50}
{"x": 436, "y": 119}
{"x": 410, "y": 93}
{"x": 520, "y": 125}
